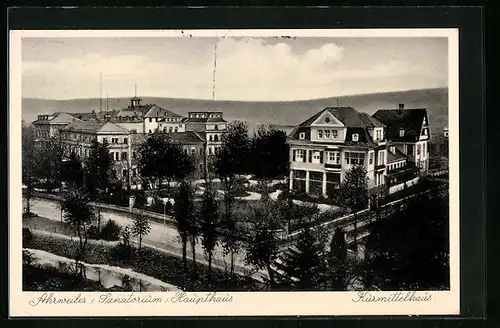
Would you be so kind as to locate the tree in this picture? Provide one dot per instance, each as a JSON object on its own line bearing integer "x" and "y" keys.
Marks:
{"x": 184, "y": 210}
{"x": 97, "y": 168}
{"x": 209, "y": 229}
{"x": 231, "y": 162}
{"x": 337, "y": 260}
{"x": 353, "y": 193}
{"x": 270, "y": 156}
{"x": 263, "y": 244}
{"x": 29, "y": 164}
{"x": 74, "y": 170}
{"x": 141, "y": 227}
{"x": 301, "y": 264}
{"x": 79, "y": 214}
{"x": 50, "y": 156}
{"x": 417, "y": 256}
{"x": 162, "y": 158}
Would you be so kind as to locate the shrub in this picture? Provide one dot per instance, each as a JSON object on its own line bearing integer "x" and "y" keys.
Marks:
{"x": 140, "y": 199}
{"x": 27, "y": 236}
{"x": 110, "y": 231}
{"x": 93, "y": 232}
{"x": 29, "y": 215}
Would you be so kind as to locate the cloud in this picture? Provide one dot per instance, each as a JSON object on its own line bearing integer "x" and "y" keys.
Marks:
{"x": 247, "y": 69}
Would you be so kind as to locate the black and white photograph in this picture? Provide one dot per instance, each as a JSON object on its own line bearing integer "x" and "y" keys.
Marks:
{"x": 205, "y": 165}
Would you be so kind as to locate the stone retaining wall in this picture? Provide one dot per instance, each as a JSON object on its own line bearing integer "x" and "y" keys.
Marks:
{"x": 108, "y": 276}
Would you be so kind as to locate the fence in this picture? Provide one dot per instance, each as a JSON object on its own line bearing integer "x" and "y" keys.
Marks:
{"x": 107, "y": 276}
{"x": 401, "y": 186}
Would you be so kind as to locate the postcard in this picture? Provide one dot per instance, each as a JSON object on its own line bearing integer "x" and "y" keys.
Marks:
{"x": 234, "y": 172}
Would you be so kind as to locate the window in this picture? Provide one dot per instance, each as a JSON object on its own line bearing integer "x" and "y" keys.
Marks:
{"x": 105, "y": 140}
{"x": 125, "y": 140}
{"x": 381, "y": 157}
{"x": 424, "y": 132}
{"x": 216, "y": 138}
{"x": 201, "y": 151}
{"x": 302, "y": 135}
{"x": 335, "y": 133}
{"x": 423, "y": 148}
{"x": 334, "y": 157}
{"x": 210, "y": 150}
{"x": 124, "y": 156}
{"x": 176, "y": 129}
{"x": 327, "y": 120}
{"x": 150, "y": 131}
{"x": 370, "y": 159}
{"x": 150, "y": 119}
{"x": 210, "y": 138}
{"x": 327, "y": 134}
{"x": 401, "y": 132}
{"x": 170, "y": 129}
{"x": 193, "y": 151}
{"x": 299, "y": 155}
{"x": 418, "y": 150}
{"x": 354, "y": 158}
{"x": 355, "y": 137}
{"x": 320, "y": 134}
{"x": 378, "y": 134}
{"x": 316, "y": 158}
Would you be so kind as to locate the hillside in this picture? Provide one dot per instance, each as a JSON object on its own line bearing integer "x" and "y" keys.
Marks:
{"x": 283, "y": 113}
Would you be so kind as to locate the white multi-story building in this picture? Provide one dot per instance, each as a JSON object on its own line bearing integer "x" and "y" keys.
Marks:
{"x": 324, "y": 147}
{"x": 408, "y": 130}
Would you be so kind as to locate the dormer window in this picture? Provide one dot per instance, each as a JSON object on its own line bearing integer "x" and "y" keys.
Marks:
{"x": 401, "y": 132}
{"x": 302, "y": 135}
{"x": 355, "y": 137}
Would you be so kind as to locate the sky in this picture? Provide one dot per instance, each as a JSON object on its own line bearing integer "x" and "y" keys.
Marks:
{"x": 247, "y": 69}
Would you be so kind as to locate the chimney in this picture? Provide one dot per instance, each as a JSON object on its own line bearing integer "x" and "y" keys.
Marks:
{"x": 400, "y": 108}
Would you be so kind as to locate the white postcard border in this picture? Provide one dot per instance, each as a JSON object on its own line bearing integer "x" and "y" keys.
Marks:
{"x": 249, "y": 303}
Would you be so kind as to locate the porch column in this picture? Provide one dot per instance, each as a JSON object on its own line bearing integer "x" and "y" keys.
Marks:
{"x": 290, "y": 181}
{"x": 307, "y": 182}
{"x": 324, "y": 184}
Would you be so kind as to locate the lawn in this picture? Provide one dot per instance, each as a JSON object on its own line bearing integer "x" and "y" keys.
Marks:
{"x": 151, "y": 262}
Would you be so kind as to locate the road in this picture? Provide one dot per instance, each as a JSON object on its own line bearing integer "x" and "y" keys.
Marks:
{"x": 161, "y": 236}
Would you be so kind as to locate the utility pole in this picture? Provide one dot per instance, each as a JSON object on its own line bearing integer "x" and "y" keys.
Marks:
{"x": 100, "y": 92}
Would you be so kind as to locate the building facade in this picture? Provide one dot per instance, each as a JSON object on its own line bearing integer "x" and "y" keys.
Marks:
{"x": 48, "y": 125}
{"x": 77, "y": 138}
{"x": 325, "y": 147}
{"x": 211, "y": 126}
{"x": 408, "y": 130}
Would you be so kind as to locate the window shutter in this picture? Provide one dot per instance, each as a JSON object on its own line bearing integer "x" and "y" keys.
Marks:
{"x": 294, "y": 151}
{"x": 321, "y": 155}
{"x": 310, "y": 156}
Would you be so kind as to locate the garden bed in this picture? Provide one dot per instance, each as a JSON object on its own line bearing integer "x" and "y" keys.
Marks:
{"x": 150, "y": 262}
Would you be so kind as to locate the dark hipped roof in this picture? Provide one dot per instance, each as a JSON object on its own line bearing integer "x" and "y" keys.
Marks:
{"x": 410, "y": 120}
{"x": 347, "y": 115}
{"x": 94, "y": 126}
{"x": 188, "y": 137}
{"x": 204, "y": 120}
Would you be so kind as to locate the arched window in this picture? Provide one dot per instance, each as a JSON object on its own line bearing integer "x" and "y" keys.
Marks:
{"x": 210, "y": 138}
{"x": 216, "y": 138}
{"x": 176, "y": 129}
{"x": 170, "y": 129}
